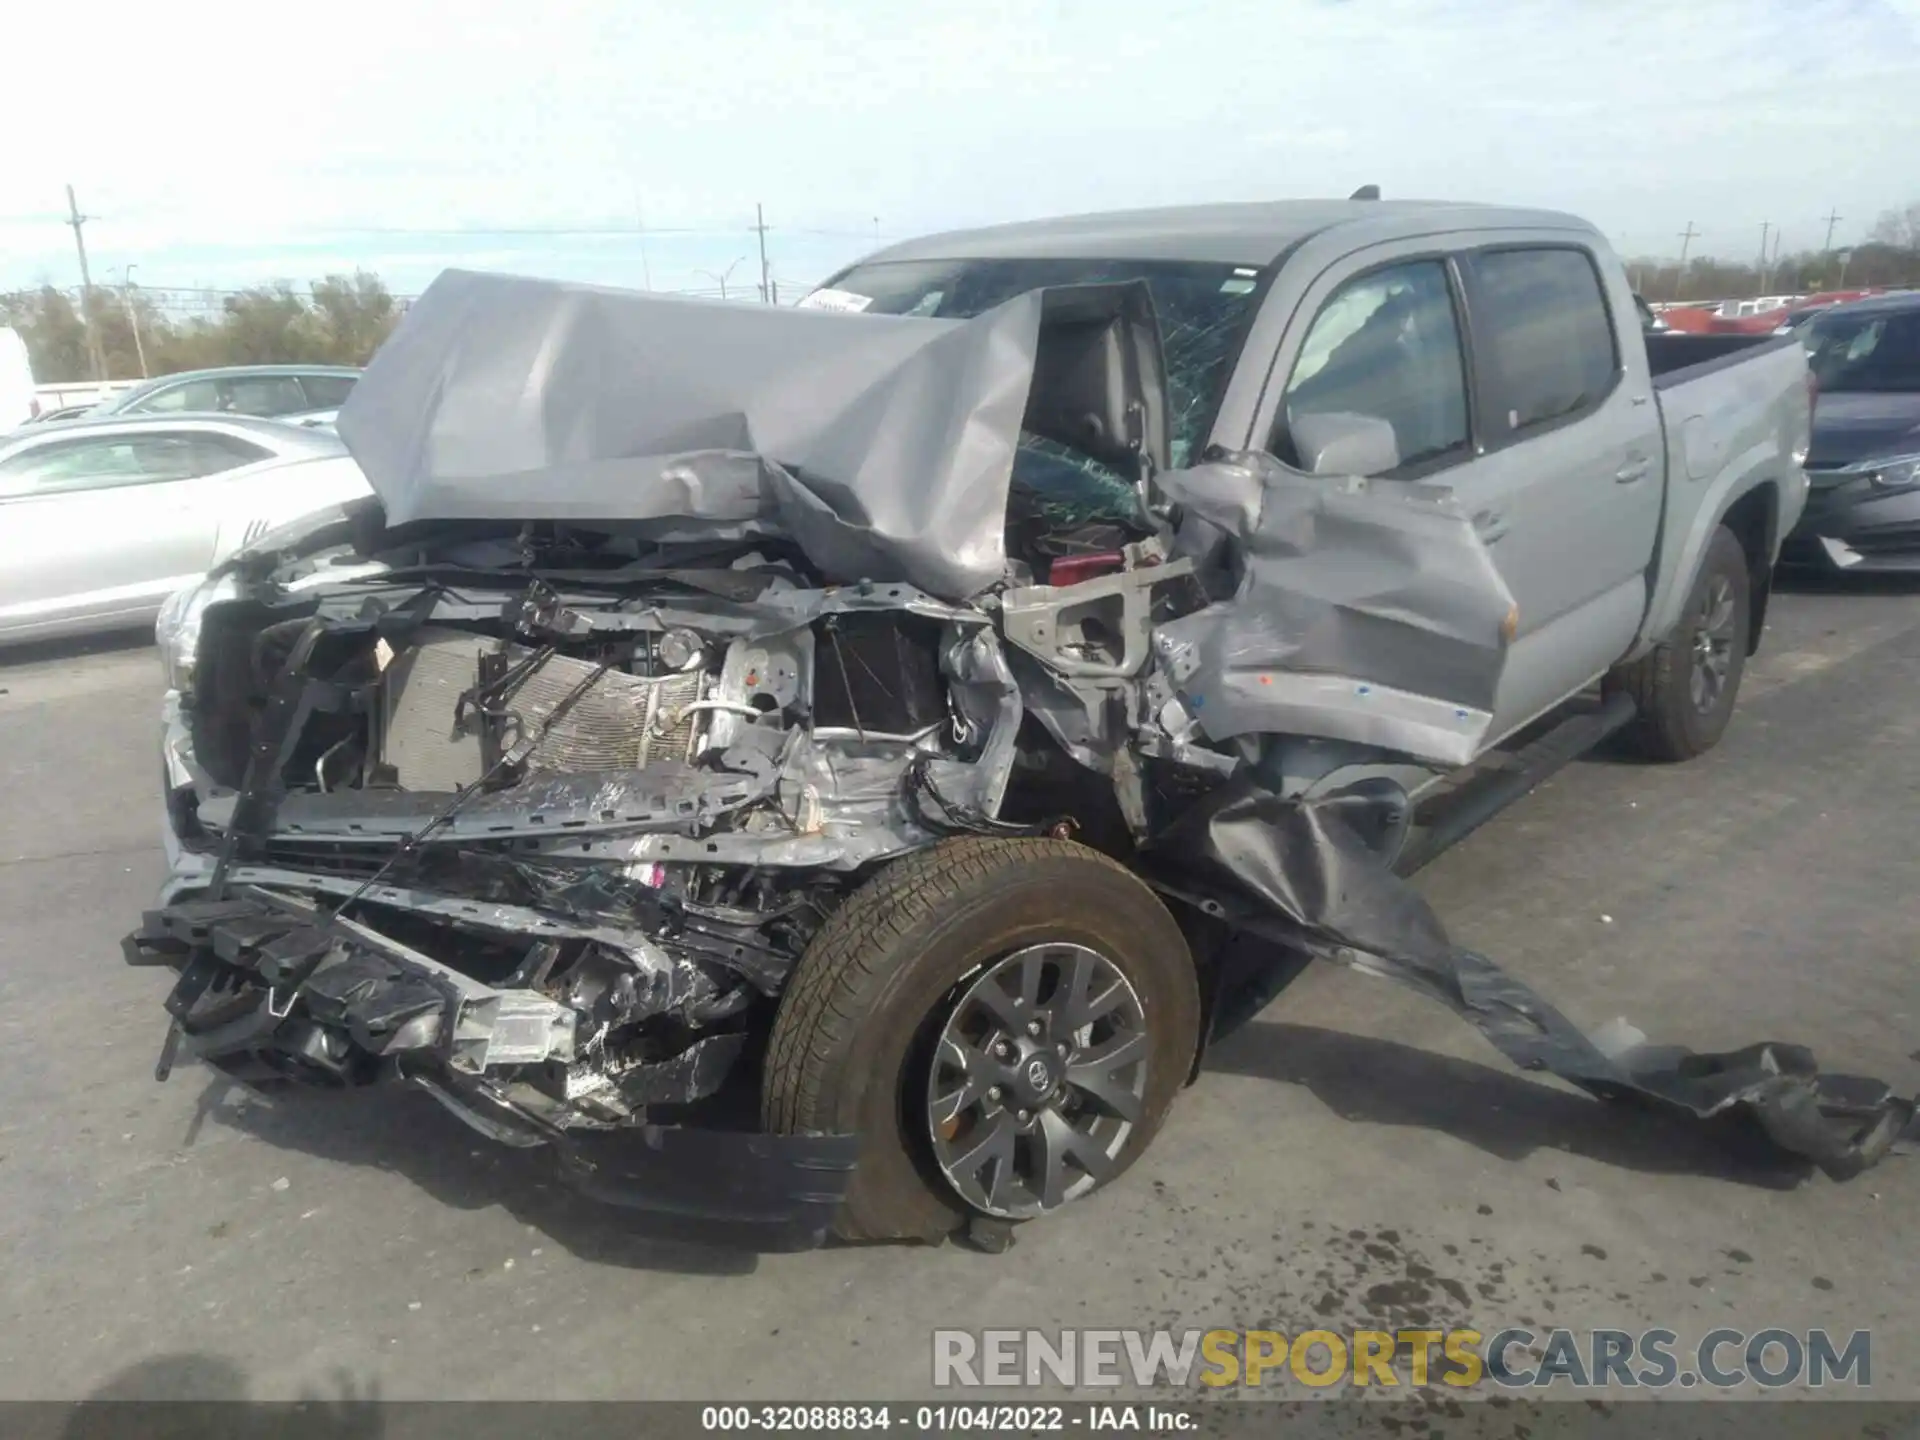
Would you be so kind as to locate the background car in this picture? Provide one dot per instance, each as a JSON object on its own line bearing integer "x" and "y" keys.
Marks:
{"x": 1800, "y": 319}
{"x": 16, "y": 381}
{"x": 60, "y": 414}
{"x": 1863, "y": 467}
{"x": 264, "y": 390}
{"x": 101, "y": 520}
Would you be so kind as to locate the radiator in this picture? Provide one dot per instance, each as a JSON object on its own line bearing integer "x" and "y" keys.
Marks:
{"x": 623, "y": 722}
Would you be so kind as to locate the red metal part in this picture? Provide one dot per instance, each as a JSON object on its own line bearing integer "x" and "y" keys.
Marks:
{"x": 1072, "y": 569}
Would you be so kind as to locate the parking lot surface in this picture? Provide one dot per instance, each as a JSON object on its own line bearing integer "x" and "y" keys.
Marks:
{"x": 1354, "y": 1157}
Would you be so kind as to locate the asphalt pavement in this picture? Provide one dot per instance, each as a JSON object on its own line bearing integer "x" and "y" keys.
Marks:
{"x": 1353, "y": 1157}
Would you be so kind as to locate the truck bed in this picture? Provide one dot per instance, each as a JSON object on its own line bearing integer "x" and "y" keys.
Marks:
{"x": 1729, "y": 405}
{"x": 1676, "y": 358}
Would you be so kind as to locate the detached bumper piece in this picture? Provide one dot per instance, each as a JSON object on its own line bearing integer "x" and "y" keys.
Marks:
{"x": 270, "y": 989}
{"x": 1297, "y": 873}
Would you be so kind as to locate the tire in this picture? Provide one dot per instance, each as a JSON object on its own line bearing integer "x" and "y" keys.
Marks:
{"x": 897, "y": 966}
{"x": 1673, "y": 722}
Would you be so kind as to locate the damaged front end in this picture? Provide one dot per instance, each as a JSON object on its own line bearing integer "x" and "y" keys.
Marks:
{"x": 534, "y": 799}
{"x": 551, "y": 856}
{"x": 530, "y": 784}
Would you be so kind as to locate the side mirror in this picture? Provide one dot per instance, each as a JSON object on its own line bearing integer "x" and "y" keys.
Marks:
{"x": 1344, "y": 443}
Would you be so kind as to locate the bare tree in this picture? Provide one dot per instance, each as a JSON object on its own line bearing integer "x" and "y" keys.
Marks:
{"x": 1899, "y": 228}
{"x": 341, "y": 319}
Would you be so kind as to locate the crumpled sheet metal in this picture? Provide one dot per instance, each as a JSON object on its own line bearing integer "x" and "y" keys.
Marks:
{"x": 1300, "y": 861}
{"x": 1367, "y": 611}
{"x": 883, "y": 445}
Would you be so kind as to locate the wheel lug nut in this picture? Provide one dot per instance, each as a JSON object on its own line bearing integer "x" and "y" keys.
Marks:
{"x": 1033, "y": 1027}
{"x": 1000, "y": 1049}
{"x": 993, "y": 1092}
{"x": 1025, "y": 1116}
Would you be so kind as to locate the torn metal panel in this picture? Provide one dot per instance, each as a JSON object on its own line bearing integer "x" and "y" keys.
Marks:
{"x": 883, "y": 445}
{"x": 1360, "y": 610}
{"x": 1300, "y": 864}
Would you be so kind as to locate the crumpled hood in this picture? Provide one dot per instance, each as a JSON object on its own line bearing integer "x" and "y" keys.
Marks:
{"x": 1851, "y": 426}
{"x": 883, "y": 445}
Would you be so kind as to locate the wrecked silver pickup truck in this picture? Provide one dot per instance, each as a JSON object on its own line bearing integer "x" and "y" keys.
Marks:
{"x": 928, "y": 714}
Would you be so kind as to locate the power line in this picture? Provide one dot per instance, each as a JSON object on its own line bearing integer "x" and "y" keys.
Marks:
{"x": 488, "y": 231}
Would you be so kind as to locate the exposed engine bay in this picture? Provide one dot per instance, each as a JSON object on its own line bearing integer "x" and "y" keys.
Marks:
{"x": 631, "y": 816}
{"x": 535, "y": 794}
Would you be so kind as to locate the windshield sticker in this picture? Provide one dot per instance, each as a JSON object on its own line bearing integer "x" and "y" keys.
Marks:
{"x": 1238, "y": 285}
{"x": 827, "y": 298}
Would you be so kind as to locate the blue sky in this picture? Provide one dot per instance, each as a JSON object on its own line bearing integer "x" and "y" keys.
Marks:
{"x": 221, "y": 142}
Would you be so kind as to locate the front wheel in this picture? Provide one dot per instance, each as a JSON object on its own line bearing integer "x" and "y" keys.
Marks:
{"x": 1686, "y": 686}
{"x": 1005, "y": 1023}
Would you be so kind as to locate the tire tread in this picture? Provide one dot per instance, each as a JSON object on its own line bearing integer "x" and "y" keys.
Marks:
{"x": 852, "y": 956}
{"x": 1663, "y": 730}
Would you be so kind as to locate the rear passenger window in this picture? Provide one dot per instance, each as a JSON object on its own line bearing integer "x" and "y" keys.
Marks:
{"x": 1549, "y": 342}
{"x": 263, "y": 395}
{"x": 1385, "y": 346}
{"x": 327, "y": 392}
{"x": 193, "y": 395}
{"x": 215, "y": 453}
{"x": 108, "y": 462}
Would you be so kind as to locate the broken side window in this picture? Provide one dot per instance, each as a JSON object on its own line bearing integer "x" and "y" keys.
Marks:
{"x": 1203, "y": 309}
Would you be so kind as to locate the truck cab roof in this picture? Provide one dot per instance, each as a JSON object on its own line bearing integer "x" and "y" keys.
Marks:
{"x": 1254, "y": 233}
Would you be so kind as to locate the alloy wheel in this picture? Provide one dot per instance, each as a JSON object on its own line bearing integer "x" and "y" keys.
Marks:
{"x": 1038, "y": 1078}
{"x": 1713, "y": 637}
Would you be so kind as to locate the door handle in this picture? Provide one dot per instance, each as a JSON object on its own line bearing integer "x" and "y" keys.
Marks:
{"x": 1632, "y": 472}
{"x": 1490, "y": 525}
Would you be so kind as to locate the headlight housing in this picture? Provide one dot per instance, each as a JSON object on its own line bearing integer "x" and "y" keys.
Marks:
{"x": 1897, "y": 472}
{"x": 177, "y": 630}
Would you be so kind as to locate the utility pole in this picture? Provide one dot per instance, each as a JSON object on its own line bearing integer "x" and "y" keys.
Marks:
{"x": 766, "y": 275}
{"x": 94, "y": 357}
{"x": 1834, "y": 217}
{"x": 133, "y": 318}
{"x": 1765, "y": 226}
{"x": 1687, "y": 237}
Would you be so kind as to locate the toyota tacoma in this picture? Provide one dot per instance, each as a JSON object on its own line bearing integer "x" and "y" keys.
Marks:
{"x": 835, "y": 766}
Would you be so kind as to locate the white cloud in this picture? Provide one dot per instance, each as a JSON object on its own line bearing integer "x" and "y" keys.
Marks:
{"x": 252, "y": 139}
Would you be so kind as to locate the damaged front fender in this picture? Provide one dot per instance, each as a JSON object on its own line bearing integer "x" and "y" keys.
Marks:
{"x": 1360, "y": 610}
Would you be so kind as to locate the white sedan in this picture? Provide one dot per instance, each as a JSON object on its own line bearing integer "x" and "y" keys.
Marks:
{"x": 100, "y": 521}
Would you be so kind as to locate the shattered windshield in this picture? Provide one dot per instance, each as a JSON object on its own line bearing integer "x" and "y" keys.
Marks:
{"x": 1202, "y": 309}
